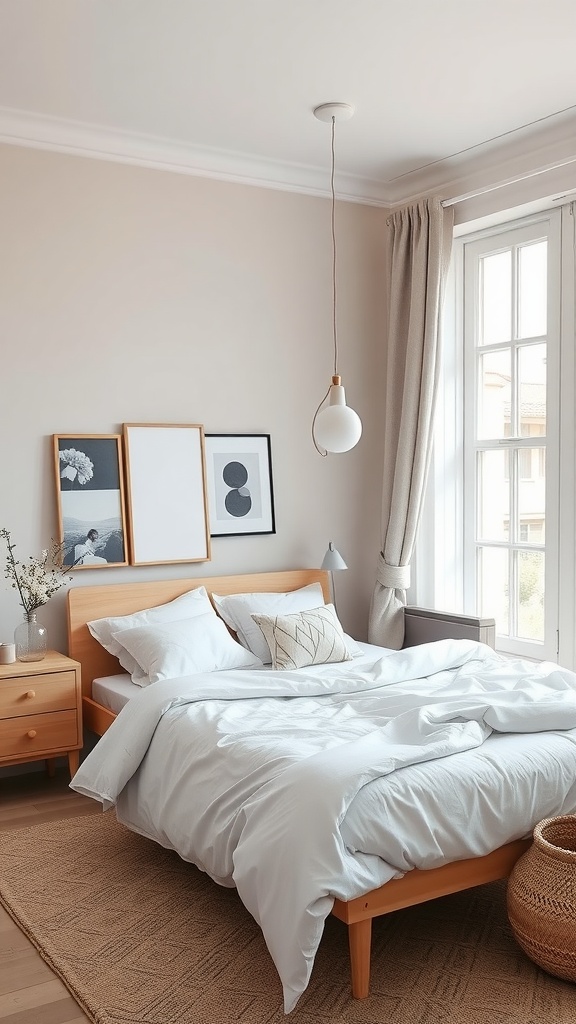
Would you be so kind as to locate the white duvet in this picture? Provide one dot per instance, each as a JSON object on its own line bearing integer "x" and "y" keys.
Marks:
{"x": 292, "y": 786}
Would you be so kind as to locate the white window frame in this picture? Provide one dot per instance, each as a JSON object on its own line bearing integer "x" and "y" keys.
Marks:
{"x": 470, "y": 250}
{"x": 440, "y": 579}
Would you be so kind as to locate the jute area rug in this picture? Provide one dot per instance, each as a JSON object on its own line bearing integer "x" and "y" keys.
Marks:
{"x": 140, "y": 937}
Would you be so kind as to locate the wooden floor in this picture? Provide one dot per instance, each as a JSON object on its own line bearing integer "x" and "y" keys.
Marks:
{"x": 30, "y": 993}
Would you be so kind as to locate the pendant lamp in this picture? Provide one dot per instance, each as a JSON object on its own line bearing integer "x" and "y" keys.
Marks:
{"x": 335, "y": 427}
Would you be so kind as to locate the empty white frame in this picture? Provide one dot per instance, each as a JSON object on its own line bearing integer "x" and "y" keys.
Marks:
{"x": 166, "y": 493}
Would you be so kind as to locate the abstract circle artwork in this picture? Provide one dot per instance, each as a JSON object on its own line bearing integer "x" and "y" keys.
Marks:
{"x": 239, "y": 481}
{"x": 238, "y": 500}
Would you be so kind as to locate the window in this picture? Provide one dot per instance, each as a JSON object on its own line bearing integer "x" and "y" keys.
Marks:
{"x": 507, "y": 295}
{"x": 499, "y": 516}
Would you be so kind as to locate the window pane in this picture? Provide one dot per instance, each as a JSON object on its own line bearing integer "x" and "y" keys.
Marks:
{"x": 494, "y": 588}
{"x": 532, "y": 290}
{"x": 532, "y": 390}
{"x": 496, "y": 298}
{"x": 493, "y": 496}
{"x": 494, "y": 369}
{"x": 531, "y": 595}
{"x": 531, "y": 494}
{"x": 525, "y": 463}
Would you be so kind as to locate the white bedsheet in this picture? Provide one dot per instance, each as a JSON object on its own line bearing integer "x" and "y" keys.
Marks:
{"x": 113, "y": 692}
{"x": 267, "y": 780}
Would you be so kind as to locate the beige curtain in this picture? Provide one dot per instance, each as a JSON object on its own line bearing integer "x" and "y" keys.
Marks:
{"x": 420, "y": 241}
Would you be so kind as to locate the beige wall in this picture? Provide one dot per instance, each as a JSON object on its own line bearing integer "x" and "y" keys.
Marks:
{"x": 134, "y": 295}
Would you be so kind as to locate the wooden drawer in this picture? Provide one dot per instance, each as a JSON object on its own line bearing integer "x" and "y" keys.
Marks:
{"x": 32, "y": 734}
{"x": 30, "y": 695}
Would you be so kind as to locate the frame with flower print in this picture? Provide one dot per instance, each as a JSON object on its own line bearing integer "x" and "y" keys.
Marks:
{"x": 91, "y": 502}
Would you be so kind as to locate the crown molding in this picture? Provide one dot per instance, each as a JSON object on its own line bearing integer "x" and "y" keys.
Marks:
{"x": 492, "y": 165}
{"x": 21, "y": 128}
{"x": 534, "y": 150}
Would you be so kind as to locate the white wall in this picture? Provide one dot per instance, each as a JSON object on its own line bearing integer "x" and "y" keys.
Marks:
{"x": 134, "y": 295}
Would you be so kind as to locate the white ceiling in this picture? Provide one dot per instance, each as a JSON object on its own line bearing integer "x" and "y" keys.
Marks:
{"x": 227, "y": 87}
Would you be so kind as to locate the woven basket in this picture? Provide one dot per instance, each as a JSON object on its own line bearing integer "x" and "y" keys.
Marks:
{"x": 542, "y": 897}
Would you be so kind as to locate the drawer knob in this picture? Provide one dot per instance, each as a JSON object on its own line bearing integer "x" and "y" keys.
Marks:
{"x": 31, "y": 733}
{"x": 30, "y": 694}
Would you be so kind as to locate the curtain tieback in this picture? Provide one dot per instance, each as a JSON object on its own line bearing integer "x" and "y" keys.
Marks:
{"x": 396, "y": 577}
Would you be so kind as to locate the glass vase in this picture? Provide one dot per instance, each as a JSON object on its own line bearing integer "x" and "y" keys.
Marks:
{"x": 30, "y": 639}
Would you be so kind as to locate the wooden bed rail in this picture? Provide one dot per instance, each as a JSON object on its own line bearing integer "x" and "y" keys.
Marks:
{"x": 415, "y": 887}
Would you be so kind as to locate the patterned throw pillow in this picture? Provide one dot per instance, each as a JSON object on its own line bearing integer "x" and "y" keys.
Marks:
{"x": 237, "y": 611}
{"x": 313, "y": 637}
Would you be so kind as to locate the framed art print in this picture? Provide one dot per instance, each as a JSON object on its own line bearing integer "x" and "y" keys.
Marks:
{"x": 239, "y": 478}
{"x": 166, "y": 485}
{"x": 90, "y": 494}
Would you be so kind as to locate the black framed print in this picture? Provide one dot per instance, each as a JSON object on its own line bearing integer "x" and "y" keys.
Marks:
{"x": 239, "y": 478}
{"x": 166, "y": 482}
{"x": 91, "y": 504}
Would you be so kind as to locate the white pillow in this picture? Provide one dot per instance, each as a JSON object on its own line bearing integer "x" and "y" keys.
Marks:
{"x": 183, "y": 648}
{"x": 237, "y": 609}
{"x": 194, "y": 602}
{"x": 313, "y": 637}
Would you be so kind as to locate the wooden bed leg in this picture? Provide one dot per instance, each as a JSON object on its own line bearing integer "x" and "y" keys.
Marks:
{"x": 359, "y": 941}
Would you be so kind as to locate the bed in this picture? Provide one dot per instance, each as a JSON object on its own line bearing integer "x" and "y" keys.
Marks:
{"x": 86, "y": 604}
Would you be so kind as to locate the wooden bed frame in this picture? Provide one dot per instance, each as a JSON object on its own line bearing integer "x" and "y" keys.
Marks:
{"x": 87, "y": 603}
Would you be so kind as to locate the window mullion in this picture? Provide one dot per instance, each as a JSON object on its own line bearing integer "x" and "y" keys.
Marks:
{"x": 566, "y": 497}
{"x": 513, "y": 556}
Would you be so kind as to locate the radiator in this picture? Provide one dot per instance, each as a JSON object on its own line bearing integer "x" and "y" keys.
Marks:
{"x": 421, "y": 625}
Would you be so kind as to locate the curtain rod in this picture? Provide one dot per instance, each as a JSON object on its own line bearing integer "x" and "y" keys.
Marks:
{"x": 509, "y": 181}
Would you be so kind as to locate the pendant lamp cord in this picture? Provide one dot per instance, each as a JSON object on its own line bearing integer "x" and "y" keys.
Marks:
{"x": 321, "y": 451}
{"x": 334, "y": 331}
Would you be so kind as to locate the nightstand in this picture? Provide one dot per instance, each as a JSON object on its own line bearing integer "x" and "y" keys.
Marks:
{"x": 41, "y": 711}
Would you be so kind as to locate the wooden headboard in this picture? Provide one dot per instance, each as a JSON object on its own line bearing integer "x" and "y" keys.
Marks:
{"x": 87, "y": 603}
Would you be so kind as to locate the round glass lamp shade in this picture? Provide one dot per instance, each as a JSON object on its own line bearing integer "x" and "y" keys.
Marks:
{"x": 337, "y": 428}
